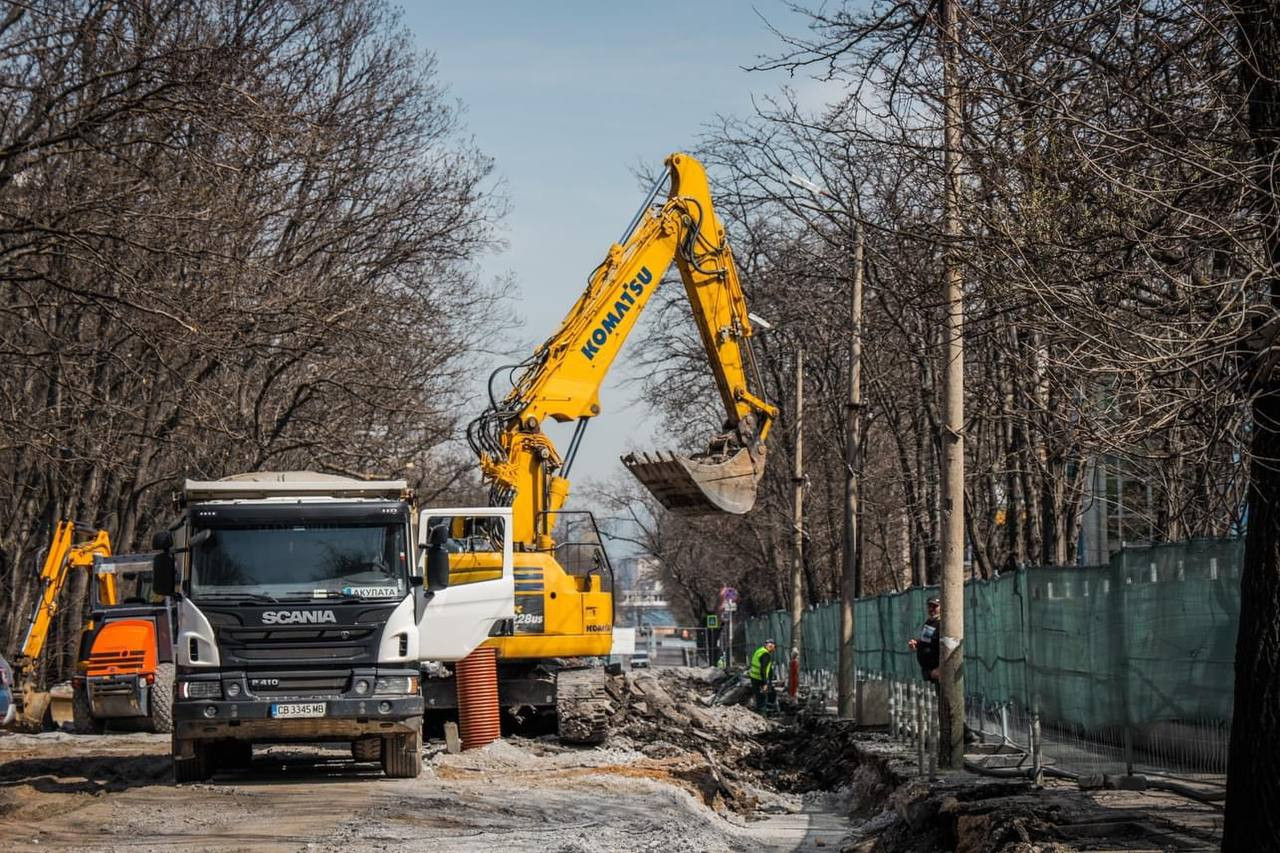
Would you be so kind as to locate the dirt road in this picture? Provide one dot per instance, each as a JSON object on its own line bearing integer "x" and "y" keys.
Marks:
{"x": 681, "y": 772}
{"x": 60, "y": 791}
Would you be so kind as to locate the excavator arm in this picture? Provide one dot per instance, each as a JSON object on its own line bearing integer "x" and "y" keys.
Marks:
{"x": 562, "y": 379}
{"x": 65, "y": 554}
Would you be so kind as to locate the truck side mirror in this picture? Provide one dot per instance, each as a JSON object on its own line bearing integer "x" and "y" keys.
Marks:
{"x": 163, "y": 579}
{"x": 438, "y": 559}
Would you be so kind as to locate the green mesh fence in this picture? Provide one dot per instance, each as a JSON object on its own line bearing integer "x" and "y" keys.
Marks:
{"x": 1149, "y": 637}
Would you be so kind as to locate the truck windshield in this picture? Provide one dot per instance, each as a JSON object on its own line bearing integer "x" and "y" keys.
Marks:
{"x": 309, "y": 560}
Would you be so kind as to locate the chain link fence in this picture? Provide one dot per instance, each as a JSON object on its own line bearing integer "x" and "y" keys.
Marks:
{"x": 1124, "y": 668}
{"x": 667, "y": 646}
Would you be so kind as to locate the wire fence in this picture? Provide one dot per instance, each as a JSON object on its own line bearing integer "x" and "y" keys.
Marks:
{"x": 1122, "y": 669}
{"x": 675, "y": 646}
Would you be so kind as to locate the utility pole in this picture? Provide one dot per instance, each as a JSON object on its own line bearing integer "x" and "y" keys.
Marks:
{"x": 846, "y": 686}
{"x": 850, "y": 580}
{"x": 951, "y": 704}
{"x": 797, "y": 557}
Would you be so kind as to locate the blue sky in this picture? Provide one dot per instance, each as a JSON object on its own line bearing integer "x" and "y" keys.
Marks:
{"x": 569, "y": 98}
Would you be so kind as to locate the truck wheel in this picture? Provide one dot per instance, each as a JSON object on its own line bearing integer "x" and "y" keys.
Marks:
{"x": 367, "y": 748}
{"x": 402, "y": 755}
{"x": 162, "y": 699}
{"x": 197, "y": 768}
{"x": 83, "y": 722}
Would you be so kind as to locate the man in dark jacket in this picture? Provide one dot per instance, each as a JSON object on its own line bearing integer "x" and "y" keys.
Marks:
{"x": 926, "y": 644}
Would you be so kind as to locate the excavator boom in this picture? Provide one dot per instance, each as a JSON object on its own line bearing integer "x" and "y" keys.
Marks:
{"x": 64, "y": 555}
{"x": 562, "y": 379}
{"x": 564, "y": 607}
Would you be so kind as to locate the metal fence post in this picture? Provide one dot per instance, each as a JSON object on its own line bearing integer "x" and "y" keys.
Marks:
{"x": 893, "y": 710}
{"x": 920, "y": 747}
{"x": 1036, "y": 775}
{"x": 899, "y": 690}
{"x": 932, "y": 726}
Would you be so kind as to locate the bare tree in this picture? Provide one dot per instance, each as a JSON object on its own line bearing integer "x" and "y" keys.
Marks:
{"x": 231, "y": 238}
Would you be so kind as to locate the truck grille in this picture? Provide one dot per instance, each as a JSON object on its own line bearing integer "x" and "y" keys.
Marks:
{"x": 243, "y": 640}
{"x": 258, "y": 645}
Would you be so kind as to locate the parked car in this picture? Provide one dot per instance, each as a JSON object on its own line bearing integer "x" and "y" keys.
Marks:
{"x": 6, "y": 693}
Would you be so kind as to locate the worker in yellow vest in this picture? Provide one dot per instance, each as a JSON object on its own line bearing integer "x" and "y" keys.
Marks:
{"x": 761, "y": 673}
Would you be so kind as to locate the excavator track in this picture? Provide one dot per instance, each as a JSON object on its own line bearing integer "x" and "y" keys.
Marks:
{"x": 583, "y": 706}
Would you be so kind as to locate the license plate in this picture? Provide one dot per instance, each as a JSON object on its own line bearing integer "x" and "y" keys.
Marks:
{"x": 302, "y": 709}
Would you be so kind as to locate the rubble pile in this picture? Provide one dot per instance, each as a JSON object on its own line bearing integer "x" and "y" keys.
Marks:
{"x": 691, "y": 719}
{"x": 986, "y": 817}
{"x": 678, "y": 716}
{"x": 680, "y": 706}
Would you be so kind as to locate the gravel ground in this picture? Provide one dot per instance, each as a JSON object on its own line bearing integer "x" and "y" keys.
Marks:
{"x": 679, "y": 773}
{"x": 113, "y": 792}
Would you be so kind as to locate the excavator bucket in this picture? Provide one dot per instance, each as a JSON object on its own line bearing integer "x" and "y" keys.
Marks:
{"x": 41, "y": 710}
{"x": 706, "y": 483}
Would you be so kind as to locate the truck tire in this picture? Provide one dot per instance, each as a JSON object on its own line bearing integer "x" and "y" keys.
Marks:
{"x": 195, "y": 769}
{"x": 83, "y": 722}
{"x": 367, "y": 748}
{"x": 162, "y": 699}
{"x": 402, "y": 755}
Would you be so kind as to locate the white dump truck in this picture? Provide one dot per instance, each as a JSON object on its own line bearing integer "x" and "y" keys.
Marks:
{"x": 304, "y": 610}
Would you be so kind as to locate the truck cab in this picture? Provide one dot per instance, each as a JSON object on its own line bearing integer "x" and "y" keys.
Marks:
{"x": 303, "y": 613}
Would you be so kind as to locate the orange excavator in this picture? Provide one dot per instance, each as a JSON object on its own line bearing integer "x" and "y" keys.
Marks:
{"x": 125, "y": 663}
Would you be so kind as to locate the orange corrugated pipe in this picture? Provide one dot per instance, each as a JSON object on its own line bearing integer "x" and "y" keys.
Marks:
{"x": 478, "y": 714}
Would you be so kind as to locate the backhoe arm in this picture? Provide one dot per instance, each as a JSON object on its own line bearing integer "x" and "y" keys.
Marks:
{"x": 563, "y": 377}
{"x": 64, "y": 555}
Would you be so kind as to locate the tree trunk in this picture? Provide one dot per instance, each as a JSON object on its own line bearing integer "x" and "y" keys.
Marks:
{"x": 1253, "y": 783}
{"x": 1252, "y": 820}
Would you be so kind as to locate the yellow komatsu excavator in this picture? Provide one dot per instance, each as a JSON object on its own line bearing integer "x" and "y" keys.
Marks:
{"x": 564, "y": 607}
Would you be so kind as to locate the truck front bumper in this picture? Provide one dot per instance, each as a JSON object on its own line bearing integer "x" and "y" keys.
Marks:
{"x": 252, "y": 719}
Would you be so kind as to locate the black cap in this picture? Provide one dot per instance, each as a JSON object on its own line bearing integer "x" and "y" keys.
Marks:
{"x": 935, "y": 602}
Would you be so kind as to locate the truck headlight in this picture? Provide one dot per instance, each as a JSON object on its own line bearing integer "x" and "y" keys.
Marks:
{"x": 396, "y": 684}
{"x": 200, "y": 690}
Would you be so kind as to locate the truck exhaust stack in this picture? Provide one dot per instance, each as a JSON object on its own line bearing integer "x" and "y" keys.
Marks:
{"x": 703, "y": 483}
